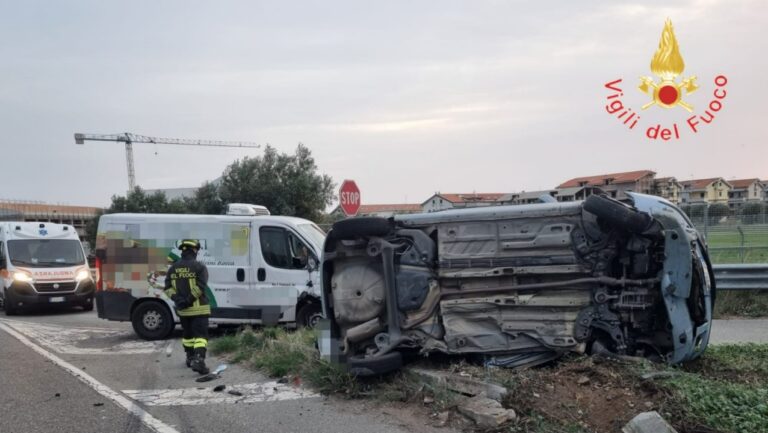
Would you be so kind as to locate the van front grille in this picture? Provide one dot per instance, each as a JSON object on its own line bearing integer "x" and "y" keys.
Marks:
{"x": 55, "y": 287}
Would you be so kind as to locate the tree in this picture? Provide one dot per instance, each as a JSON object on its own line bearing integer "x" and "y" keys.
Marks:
{"x": 752, "y": 212}
{"x": 138, "y": 201}
{"x": 718, "y": 212}
{"x": 205, "y": 201}
{"x": 285, "y": 184}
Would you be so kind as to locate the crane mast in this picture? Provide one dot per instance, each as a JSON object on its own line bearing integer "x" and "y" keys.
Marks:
{"x": 129, "y": 138}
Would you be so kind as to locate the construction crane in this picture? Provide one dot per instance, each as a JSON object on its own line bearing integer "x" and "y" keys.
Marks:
{"x": 129, "y": 139}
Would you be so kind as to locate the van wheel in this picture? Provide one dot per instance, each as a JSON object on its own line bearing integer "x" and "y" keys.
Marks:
{"x": 152, "y": 321}
{"x": 362, "y": 226}
{"x": 309, "y": 315}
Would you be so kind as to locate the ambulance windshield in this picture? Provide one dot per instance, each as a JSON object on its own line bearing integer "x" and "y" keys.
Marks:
{"x": 45, "y": 253}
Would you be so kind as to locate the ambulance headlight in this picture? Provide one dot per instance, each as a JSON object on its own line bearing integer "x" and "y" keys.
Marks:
{"x": 22, "y": 277}
{"x": 83, "y": 274}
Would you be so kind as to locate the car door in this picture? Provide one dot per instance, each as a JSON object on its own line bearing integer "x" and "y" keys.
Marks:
{"x": 281, "y": 271}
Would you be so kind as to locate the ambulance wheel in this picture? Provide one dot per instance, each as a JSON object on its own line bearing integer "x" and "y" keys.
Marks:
{"x": 10, "y": 310}
{"x": 152, "y": 320}
{"x": 309, "y": 315}
{"x": 88, "y": 306}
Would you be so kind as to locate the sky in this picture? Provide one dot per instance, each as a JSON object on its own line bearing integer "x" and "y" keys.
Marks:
{"x": 405, "y": 97}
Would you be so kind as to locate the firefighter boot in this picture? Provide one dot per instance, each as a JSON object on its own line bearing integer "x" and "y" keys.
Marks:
{"x": 198, "y": 362}
{"x": 190, "y": 355}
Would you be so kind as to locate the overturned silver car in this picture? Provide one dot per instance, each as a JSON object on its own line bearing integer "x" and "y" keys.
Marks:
{"x": 518, "y": 285}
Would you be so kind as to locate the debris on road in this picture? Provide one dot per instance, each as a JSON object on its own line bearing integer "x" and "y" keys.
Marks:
{"x": 219, "y": 388}
{"x": 235, "y": 392}
{"x": 486, "y": 412}
{"x": 648, "y": 422}
{"x": 207, "y": 378}
{"x": 98, "y": 404}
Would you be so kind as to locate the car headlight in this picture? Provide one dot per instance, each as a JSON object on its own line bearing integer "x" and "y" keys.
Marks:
{"x": 22, "y": 277}
{"x": 83, "y": 274}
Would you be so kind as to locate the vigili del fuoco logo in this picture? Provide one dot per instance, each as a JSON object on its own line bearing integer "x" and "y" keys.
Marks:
{"x": 667, "y": 90}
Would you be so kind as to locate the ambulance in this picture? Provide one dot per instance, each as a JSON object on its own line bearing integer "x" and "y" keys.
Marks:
{"x": 42, "y": 264}
{"x": 263, "y": 269}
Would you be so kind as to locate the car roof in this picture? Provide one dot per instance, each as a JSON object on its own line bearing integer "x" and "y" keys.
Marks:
{"x": 195, "y": 218}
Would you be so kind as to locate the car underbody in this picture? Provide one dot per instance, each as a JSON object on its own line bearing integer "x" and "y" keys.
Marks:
{"x": 518, "y": 285}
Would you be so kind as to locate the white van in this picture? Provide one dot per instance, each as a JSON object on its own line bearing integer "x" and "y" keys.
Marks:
{"x": 43, "y": 264}
{"x": 263, "y": 269}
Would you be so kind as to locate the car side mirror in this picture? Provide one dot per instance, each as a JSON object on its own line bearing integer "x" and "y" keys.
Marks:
{"x": 312, "y": 263}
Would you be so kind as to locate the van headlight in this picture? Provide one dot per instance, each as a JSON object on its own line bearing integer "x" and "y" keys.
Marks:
{"x": 83, "y": 274}
{"x": 22, "y": 277}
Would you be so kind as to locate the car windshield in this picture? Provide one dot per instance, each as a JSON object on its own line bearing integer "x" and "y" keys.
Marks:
{"x": 315, "y": 234}
{"x": 45, "y": 253}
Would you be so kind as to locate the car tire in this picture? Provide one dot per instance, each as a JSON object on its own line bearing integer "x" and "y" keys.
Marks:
{"x": 617, "y": 214}
{"x": 309, "y": 315}
{"x": 374, "y": 366}
{"x": 152, "y": 320}
{"x": 363, "y": 226}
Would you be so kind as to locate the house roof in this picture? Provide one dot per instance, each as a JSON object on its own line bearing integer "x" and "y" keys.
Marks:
{"x": 699, "y": 184}
{"x": 468, "y": 197}
{"x": 743, "y": 183}
{"x": 50, "y": 209}
{"x": 623, "y": 177}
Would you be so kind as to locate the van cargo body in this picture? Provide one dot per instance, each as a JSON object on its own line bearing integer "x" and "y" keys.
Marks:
{"x": 43, "y": 264}
{"x": 262, "y": 269}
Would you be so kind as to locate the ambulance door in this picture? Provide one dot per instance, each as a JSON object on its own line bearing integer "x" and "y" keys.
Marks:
{"x": 280, "y": 264}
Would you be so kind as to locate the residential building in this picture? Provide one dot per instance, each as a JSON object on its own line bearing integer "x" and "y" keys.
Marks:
{"x": 711, "y": 190}
{"x": 380, "y": 210}
{"x": 77, "y": 216}
{"x": 745, "y": 190}
{"x": 442, "y": 201}
{"x": 616, "y": 184}
{"x": 668, "y": 188}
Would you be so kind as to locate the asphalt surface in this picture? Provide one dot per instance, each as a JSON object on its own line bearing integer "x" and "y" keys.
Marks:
{"x": 140, "y": 387}
{"x": 147, "y": 376}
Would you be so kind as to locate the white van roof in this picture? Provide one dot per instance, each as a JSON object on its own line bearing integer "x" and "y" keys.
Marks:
{"x": 194, "y": 218}
{"x": 37, "y": 230}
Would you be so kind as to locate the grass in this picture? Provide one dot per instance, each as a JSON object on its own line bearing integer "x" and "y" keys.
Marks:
{"x": 280, "y": 353}
{"x": 726, "y": 391}
{"x": 750, "y": 303}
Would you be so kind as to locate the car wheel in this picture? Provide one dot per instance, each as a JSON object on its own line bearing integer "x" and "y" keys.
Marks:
{"x": 362, "y": 226}
{"x": 309, "y": 315}
{"x": 374, "y": 366}
{"x": 618, "y": 214}
{"x": 152, "y": 320}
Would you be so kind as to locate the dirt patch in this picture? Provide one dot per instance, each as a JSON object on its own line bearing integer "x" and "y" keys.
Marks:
{"x": 596, "y": 395}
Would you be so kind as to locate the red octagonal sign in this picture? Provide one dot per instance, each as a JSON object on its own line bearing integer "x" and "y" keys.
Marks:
{"x": 349, "y": 197}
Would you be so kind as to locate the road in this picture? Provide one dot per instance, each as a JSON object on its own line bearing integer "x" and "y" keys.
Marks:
{"x": 72, "y": 372}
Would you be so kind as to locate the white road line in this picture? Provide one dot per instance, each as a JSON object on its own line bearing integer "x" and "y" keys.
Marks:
{"x": 145, "y": 417}
{"x": 251, "y": 393}
{"x": 65, "y": 340}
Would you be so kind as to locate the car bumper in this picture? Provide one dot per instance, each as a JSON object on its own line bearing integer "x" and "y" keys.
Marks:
{"x": 23, "y": 295}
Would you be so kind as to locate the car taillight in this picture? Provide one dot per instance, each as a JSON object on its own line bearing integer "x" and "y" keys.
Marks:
{"x": 98, "y": 275}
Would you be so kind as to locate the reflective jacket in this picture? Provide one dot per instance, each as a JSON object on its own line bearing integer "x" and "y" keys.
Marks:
{"x": 185, "y": 284}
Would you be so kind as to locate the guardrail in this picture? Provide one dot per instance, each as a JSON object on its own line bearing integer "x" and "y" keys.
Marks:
{"x": 741, "y": 277}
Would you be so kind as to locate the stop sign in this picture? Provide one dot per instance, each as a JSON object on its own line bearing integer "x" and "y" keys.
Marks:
{"x": 349, "y": 197}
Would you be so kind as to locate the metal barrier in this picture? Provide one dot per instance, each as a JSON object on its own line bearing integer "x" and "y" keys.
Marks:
{"x": 741, "y": 277}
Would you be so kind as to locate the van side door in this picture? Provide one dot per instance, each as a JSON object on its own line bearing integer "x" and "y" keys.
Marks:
{"x": 281, "y": 260}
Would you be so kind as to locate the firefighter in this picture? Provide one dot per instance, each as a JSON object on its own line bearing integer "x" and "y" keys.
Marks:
{"x": 185, "y": 284}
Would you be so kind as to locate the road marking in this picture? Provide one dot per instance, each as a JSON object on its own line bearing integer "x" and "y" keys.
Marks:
{"x": 252, "y": 393}
{"x": 65, "y": 340}
{"x": 145, "y": 417}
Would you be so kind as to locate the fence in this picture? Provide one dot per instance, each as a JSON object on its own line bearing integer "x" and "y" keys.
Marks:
{"x": 736, "y": 233}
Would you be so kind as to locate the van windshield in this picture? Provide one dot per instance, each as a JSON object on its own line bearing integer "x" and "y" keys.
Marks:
{"x": 45, "y": 253}
{"x": 315, "y": 234}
